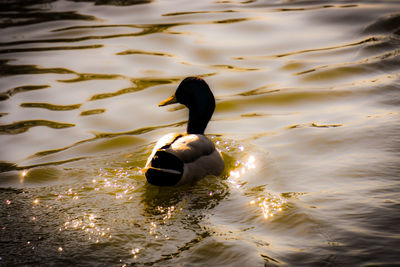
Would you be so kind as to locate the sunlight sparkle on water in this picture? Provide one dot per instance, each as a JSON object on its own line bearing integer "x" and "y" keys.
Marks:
{"x": 114, "y": 181}
{"x": 88, "y": 226}
{"x": 168, "y": 212}
{"x": 269, "y": 206}
{"x": 135, "y": 251}
{"x": 109, "y": 182}
{"x": 22, "y": 175}
{"x": 241, "y": 169}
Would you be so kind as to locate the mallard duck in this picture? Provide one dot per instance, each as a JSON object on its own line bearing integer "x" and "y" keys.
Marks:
{"x": 184, "y": 158}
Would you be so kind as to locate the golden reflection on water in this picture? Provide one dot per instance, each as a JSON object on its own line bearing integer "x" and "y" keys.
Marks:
{"x": 135, "y": 251}
{"x": 22, "y": 175}
{"x": 167, "y": 211}
{"x": 92, "y": 225}
{"x": 240, "y": 168}
{"x": 270, "y": 204}
{"x": 87, "y": 224}
{"x": 337, "y": 83}
{"x": 110, "y": 180}
{"x": 156, "y": 228}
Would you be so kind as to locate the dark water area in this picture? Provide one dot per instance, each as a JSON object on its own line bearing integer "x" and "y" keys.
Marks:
{"x": 307, "y": 119}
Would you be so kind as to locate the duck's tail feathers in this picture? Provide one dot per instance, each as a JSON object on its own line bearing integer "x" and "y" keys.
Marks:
{"x": 165, "y": 169}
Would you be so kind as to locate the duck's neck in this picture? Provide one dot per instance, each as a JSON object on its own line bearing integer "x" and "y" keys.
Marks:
{"x": 195, "y": 126}
{"x": 198, "y": 120}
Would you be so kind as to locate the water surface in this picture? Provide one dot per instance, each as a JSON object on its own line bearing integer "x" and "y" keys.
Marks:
{"x": 307, "y": 120}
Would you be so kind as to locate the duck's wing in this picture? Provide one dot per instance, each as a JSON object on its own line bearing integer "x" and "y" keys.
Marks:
{"x": 199, "y": 155}
{"x": 162, "y": 143}
{"x": 191, "y": 147}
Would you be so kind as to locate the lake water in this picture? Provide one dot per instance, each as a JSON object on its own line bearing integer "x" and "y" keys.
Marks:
{"x": 307, "y": 119}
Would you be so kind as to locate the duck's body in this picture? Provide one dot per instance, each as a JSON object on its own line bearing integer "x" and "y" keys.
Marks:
{"x": 184, "y": 158}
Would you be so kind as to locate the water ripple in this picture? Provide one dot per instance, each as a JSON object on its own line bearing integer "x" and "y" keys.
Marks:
{"x": 50, "y": 106}
{"x": 92, "y": 112}
{"x": 43, "y": 49}
{"x": 139, "y": 85}
{"x": 93, "y": 76}
{"x": 291, "y": 9}
{"x": 29, "y": 17}
{"x": 364, "y": 41}
{"x": 118, "y": 2}
{"x": 350, "y": 69}
{"x": 23, "y": 126}
{"x": 21, "y": 89}
{"x": 197, "y": 12}
{"x": 100, "y": 135}
{"x": 140, "y": 52}
{"x": 233, "y": 68}
{"x": 146, "y": 30}
{"x": 389, "y": 23}
{"x": 7, "y": 166}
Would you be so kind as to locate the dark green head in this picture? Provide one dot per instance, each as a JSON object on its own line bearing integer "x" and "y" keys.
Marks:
{"x": 195, "y": 94}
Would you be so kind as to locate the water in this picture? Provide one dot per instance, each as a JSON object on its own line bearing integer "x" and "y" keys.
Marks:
{"x": 307, "y": 119}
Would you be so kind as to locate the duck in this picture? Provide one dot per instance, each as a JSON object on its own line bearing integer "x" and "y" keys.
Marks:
{"x": 184, "y": 158}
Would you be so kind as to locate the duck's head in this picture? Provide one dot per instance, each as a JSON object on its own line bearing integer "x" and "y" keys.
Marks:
{"x": 195, "y": 94}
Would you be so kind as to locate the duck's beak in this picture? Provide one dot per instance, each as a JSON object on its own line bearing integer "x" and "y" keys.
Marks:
{"x": 170, "y": 100}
